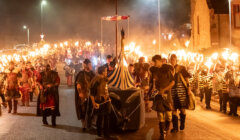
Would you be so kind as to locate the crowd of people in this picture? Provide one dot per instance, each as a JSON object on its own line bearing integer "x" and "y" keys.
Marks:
{"x": 167, "y": 86}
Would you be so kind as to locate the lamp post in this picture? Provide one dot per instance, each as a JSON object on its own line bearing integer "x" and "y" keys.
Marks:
{"x": 42, "y": 5}
{"x": 159, "y": 27}
{"x": 230, "y": 22}
{"x": 28, "y": 32}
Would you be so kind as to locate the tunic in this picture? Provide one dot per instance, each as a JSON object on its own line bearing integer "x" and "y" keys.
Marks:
{"x": 179, "y": 90}
{"x": 49, "y": 97}
{"x": 84, "y": 79}
{"x": 163, "y": 77}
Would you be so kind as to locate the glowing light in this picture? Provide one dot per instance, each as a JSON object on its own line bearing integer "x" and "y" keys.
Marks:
{"x": 170, "y": 36}
{"x": 209, "y": 63}
{"x": 66, "y": 43}
{"x": 88, "y": 43}
{"x": 43, "y": 2}
{"x": 187, "y": 43}
{"x": 61, "y": 45}
{"x": 234, "y": 57}
{"x": 215, "y": 56}
{"x": 76, "y": 43}
{"x": 225, "y": 54}
{"x": 154, "y": 42}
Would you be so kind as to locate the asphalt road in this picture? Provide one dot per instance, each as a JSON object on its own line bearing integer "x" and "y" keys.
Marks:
{"x": 201, "y": 124}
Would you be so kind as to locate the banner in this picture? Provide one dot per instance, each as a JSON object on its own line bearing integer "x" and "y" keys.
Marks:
{"x": 114, "y": 18}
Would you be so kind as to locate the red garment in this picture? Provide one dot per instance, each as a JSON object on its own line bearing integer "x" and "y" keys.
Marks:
{"x": 26, "y": 85}
{"x": 50, "y": 104}
{"x": 25, "y": 97}
{"x": 69, "y": 80}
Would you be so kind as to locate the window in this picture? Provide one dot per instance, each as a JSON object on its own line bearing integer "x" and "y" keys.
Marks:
{"x": 236, "y": 15}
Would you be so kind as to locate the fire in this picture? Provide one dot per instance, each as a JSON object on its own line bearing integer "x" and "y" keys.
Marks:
{"x": 234, "y": 57}
{"x": 187, "y": 43}
{"x": 209, "y": 63}
{"x": 66, "y": 43}
{"x": 88, "y": 43}
{"x": 215, "y": 56}
{"x": 154, "y": 42}
{"x": 76, "y": 43}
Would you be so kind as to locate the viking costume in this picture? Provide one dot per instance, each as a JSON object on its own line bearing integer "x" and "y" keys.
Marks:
{"x": 69, "y": 71}
{"x": 160, "y": 78}
{"x": 82, "y": 86}
{"x": 140, "y": 70}
{"x": 48, "y": 99}
{"x": 180, "y": 89}
{"x": 180, "y": 95}
{"x": 25, "y": 86}
{"x": 99, "y": 91}
{"x": 12, "y": 90}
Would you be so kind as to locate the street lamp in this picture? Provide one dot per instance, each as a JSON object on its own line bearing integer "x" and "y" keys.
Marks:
{"x": 26, "y": 28}
{"x": 159, "y": 27}
{"x": 44, "y": 2}
{"x": 230, "y": 22}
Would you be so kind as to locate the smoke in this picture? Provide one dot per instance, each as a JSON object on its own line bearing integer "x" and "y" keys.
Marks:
{"x": 65, "y": 19}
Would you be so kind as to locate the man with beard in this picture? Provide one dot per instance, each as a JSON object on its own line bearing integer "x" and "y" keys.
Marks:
{"x": 25, "y": 84}
{"x": 180, "y": 93}
{"x": 161, "y": 82}
{"x": 82, "y": 88}
{"x": 12, "y": 89}
{"x": 48, "y": 99}
{"x": 101, "y": 101}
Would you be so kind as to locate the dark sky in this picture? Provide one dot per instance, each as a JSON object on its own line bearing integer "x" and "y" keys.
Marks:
{"x": 64, "y": 19}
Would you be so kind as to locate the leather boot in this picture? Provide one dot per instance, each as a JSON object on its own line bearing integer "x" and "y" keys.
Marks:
{"x": 9, "y": 106}
{"x": 15, "y": 103}
{"x": 54, "y": 120}
{"x": 182, "y": 121}
{"x": 161, "y": 127}
{"x": 175, "y": 124}
{"x": 44, "y": 118}
{"x": 167, "y": 125}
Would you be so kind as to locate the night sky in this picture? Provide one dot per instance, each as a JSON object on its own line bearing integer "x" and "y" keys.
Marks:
{"x": 65, "y": 19}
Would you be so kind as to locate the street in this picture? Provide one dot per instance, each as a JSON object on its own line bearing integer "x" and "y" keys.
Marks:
{"x": 201, "y": 124}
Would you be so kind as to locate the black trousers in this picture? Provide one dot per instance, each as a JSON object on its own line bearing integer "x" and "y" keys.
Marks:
{"x": 220, "y": 94}
{"x": 103, "y": 118}
{"x": 103, "y": 124}
{"x": 31, "y": 96}
{"x": 234, "y": 102}
{"x": 201, "y": 94}
{"x": 49, "y": 112}
{"x": 208, "y": 94}
{"x": 225, "y": 101}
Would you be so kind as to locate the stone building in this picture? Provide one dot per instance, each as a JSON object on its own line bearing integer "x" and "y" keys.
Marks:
{"x": 210, "y": 24}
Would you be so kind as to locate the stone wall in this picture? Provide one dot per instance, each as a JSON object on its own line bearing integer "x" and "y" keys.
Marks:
{"x": 201, "y": 36}
{"x": 220, "y": 31}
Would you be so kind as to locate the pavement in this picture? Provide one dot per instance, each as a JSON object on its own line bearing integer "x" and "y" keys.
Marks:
{"x": 201, "y": 124}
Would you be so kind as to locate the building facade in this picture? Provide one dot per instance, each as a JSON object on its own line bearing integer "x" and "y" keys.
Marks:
{"x": 211, "y": 25}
